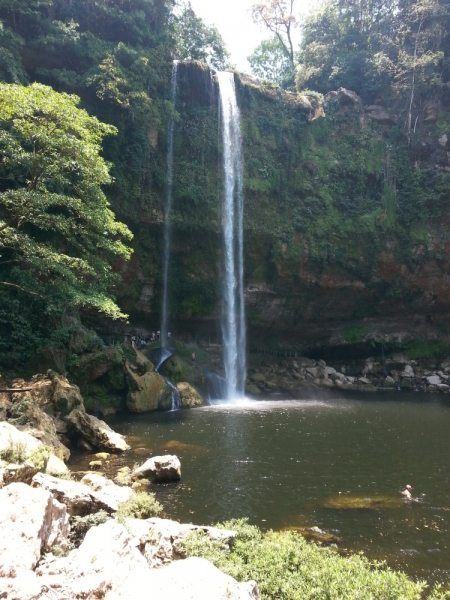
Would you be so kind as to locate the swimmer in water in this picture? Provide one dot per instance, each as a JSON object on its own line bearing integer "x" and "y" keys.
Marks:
{"x": 407, "y": 496}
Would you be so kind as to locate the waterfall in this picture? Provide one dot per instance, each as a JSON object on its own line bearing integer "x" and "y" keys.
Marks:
{"x": 233, "y": 317}
{"x": 168, "y": 209}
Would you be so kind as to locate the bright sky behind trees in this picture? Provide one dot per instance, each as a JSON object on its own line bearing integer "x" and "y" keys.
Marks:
{"x": 241, "y": 35}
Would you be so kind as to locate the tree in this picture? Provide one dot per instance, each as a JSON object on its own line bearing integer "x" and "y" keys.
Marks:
{"x": 269, "y": 61}
{"x": 278, "y": 17}
{"x": 194, "y": 40}
{"x": 58, "y": 235}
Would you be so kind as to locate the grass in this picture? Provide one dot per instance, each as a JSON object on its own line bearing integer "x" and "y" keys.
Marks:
{"x": 286, "y": 567}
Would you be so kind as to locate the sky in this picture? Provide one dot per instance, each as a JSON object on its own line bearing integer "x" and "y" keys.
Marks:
{"x": 233, "y": 20}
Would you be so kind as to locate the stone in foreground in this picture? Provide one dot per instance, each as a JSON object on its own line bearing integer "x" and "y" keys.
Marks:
{"x": 31, "y": 521}
{"x": 159, "y": 469}
{"x": 190, "y": 579}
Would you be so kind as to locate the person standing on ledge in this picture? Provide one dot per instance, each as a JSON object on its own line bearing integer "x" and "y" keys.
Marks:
{"x": 407, "y": 496}
{"x": 193, "y": 359}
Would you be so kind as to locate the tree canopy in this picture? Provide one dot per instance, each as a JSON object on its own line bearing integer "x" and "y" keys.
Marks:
{"x": 194, "y": 40}
{"x": 270, "y": 62}
{"x": 58, "y": 236}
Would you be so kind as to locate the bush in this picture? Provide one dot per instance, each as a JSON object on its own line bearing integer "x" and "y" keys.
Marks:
{"x": 139, "y": 506}
{"x": 286, "y": 567}
{"x": 40, "y": 457}
{"x": 15, "y": 453}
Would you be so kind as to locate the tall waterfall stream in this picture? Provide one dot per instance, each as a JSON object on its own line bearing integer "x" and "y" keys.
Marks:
{"x": 233, "y": 319}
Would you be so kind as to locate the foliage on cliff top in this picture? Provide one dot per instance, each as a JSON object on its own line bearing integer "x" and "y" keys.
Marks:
{"x": 286, "y": 567}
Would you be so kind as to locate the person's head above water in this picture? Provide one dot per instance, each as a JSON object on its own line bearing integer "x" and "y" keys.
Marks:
{"x": 408, "y": 487}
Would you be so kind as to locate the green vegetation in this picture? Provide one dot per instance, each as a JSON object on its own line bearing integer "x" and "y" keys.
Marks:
{"x": 287, "y": 567}
{"x": 57, "y": 233}
{"x": 418, "y": 349}
{"x": 139, "y": 506}
{"x": 15, "y": 453}
{"x": 355, "y": 333}
{"x": 79, "y": 526}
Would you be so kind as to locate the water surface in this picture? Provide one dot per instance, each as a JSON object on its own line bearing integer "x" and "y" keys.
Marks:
{"x": 279, "y": 463}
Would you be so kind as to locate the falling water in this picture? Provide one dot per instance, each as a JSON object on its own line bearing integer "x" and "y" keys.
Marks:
{"x": 168, "y": 208}
{"x": 233, "y": 319}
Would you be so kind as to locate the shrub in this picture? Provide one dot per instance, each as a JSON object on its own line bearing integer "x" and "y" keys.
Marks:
{"x": 139, "y": 506}
{"x": 79, "y": 526}
{"x": 286, "y": 567}
{"x": 15, "y": 452}
{"x": 39, "y": 457}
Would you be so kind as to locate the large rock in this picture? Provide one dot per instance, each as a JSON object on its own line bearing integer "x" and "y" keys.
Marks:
{"x": 96, "y": 432}
{"x": 106, "y": 491}
{"x": 177, "y": 370}
{"x": 190, "y": 579}
{"x": 189, "y": 396}
{"x": 105, "y": 559}
{"x": 160, "y": 539}
{"x": 27, "y": 456}
{"x": 94, "y": 365}
{"x": 81, "y": 499}
{"x": 31, "y": 521}
{"x": 158, "y": 469}
{"x": 380, "y": 115}
{"x": 147, "y": 391}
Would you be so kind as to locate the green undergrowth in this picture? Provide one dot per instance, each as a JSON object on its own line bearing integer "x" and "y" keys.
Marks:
{"x": 139, "y": 506}
{"x": 17, "y": 453}
{"x": 286, "y": 567}
{"x": 424, "y": 349}
{"x": 79, "y": 526}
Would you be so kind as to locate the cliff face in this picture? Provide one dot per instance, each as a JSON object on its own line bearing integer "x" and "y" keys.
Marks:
{"x": 346, "y": 226}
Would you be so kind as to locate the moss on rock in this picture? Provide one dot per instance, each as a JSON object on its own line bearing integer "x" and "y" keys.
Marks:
{"x": 190, "y": 398}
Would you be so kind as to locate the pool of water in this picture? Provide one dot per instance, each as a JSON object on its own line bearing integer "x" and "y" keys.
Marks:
{"x": 289, "y": 463}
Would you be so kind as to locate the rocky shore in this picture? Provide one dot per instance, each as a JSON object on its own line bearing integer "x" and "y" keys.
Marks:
{"x": 370, "y": 375}
{"x": 62, "y": 539}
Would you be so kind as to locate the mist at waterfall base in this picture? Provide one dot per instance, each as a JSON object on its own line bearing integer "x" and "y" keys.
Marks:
{"x": 233, "y": 319}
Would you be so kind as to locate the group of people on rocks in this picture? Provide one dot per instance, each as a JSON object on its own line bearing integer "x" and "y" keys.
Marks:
{"x": 140, "y": 342}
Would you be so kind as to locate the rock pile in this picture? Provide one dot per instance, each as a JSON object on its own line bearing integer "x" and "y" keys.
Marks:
{"x": 370, "y": 375}
{"x": 52, "y": 410}
{"x": 115, "y": 561}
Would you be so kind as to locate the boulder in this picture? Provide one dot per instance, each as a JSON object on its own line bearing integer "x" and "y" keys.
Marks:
{"x": 189, "y": 396}
{"x": 96, "y": 432}
{"x": 31, "y": 521}
{"x": 105, "y": 559}
{"x": 408, "y": 371}
{"x": 158, "y": 469}
{"x": 56, "y": 466}
{"x": 434, "y": 380}
{"x": 190, "y": 579}
{"x": 107, "y": 492}
{"x": 257, "y": 377}
{"x": 160, "y": 539}
{"x": 329, "y": 371}
{"x": 81, "y": 499}
{"x": 177, "y": 370}
{"x": 24, "y": 456}
{"x": 380, "y": 115}
{"x": 147, "y": 391}
{"x": 94, "y": 365}
{"x": 28, "y": 415}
